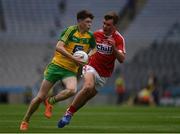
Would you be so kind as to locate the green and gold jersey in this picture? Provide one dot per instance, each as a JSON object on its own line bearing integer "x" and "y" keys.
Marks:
{"x": 74, "y": 41}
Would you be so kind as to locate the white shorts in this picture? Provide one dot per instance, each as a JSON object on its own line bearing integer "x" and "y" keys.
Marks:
{"x": 99, "y": 81}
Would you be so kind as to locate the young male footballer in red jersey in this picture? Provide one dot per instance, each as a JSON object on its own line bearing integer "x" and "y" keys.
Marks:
{"x": 64, "y": 65}
{"x": 110, "y": 46}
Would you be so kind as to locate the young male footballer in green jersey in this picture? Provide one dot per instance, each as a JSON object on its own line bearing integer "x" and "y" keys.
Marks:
{"x": 64, "y": 65}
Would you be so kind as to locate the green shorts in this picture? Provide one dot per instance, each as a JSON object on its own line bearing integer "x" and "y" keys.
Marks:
{"x": 54, "y": 73}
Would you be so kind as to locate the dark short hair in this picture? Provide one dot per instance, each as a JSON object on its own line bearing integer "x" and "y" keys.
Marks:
{"x": 112, "y": 15}
{"x": 83, "y": 14}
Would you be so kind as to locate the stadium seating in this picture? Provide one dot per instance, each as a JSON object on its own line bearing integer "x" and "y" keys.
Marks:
{"x": 161, "y": 58}
{"x": 150, "y": 24}
{"x": 98, "y": 8}
{"x": 25, "y": 17}
{"x": 19, "y": 63}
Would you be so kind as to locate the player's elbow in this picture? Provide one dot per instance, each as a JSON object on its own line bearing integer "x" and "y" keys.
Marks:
{"x": 121, "y": 58}
{"x": 60, "y": 46}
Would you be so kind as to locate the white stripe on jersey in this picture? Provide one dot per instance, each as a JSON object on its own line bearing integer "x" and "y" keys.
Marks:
{"x": 124, "y": 49}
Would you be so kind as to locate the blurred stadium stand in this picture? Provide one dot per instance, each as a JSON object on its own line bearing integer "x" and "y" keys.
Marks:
{"x": 153, "y": 44}
{"x": 98, "y": 8}
{"x": 151, "y": 23}
{"x": 32, "y": 27}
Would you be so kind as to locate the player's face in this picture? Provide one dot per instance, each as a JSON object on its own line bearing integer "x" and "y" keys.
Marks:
{"x": 108, "y": 26}
{"x": 86, "y": 24}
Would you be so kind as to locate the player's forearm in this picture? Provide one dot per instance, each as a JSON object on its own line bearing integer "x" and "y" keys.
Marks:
{"x": 120, "y": 56}
{"x": 60, "y": 48}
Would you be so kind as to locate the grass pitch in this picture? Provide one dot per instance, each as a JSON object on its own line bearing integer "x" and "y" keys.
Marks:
{"x": 90, "y": 119}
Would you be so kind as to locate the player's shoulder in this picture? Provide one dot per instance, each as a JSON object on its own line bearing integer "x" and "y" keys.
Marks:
{"x": 71, "y": 28}
{"x": 118, "y": 36}
{"x": 99, "y": 31}
{"x": 68, "y": 32}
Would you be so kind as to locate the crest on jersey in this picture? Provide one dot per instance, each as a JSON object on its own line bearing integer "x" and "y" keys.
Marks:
{"x": 77, "y": 48}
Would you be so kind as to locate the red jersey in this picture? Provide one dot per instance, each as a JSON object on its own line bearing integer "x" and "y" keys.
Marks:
{"x": 104, "y": 59}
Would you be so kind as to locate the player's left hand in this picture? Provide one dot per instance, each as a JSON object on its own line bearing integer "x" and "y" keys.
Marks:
{"x": 112, "y": 42}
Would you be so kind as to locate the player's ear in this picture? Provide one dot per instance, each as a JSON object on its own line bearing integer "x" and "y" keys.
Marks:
{"x": 114, "y": 28}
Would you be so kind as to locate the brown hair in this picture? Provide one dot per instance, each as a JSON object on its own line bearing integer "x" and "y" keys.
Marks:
{"x": 83, "y": 14}
{"x": 112, "y": 15}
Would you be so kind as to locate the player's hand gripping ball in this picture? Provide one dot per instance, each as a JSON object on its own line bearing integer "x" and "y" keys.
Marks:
{"x": 83, "y": 55}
